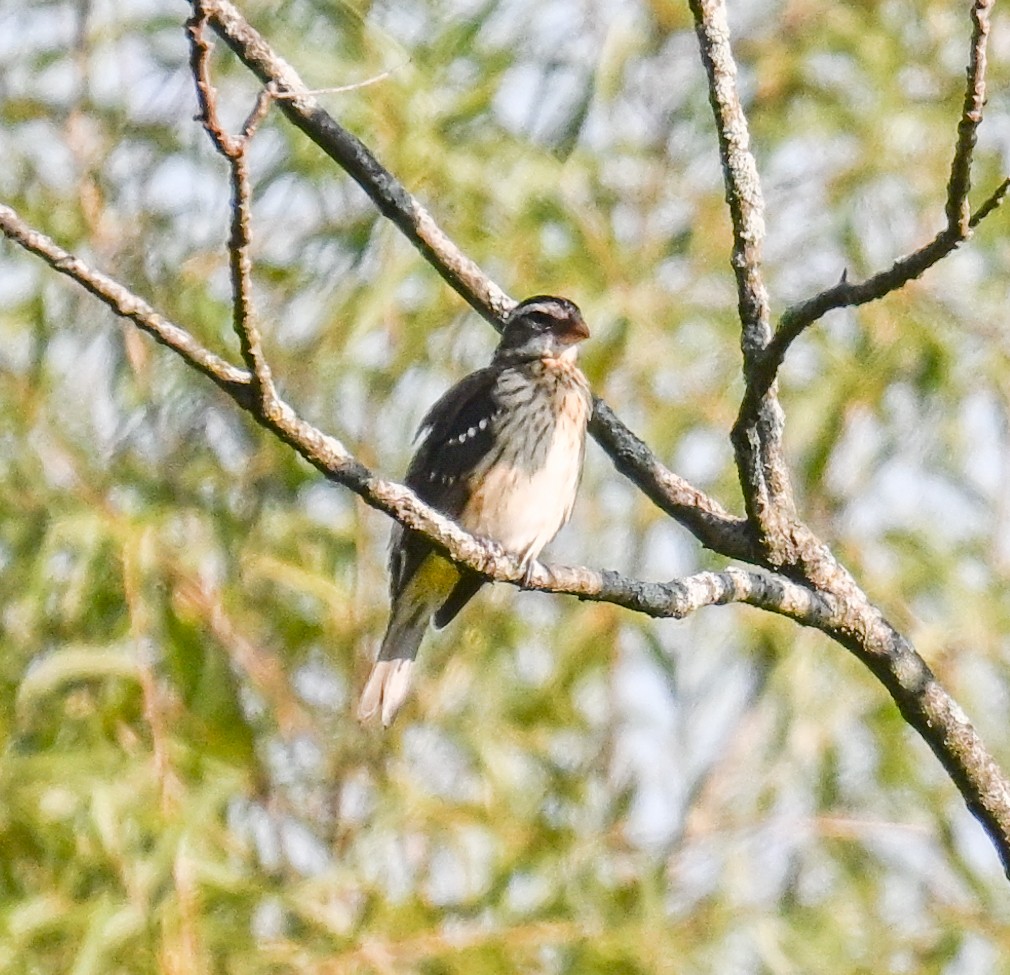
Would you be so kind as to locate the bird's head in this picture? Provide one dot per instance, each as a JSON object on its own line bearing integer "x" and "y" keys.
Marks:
{"x": 542, "y": 326}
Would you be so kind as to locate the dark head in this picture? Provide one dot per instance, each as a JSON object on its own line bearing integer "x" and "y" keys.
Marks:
{"x": 542, "y": 326}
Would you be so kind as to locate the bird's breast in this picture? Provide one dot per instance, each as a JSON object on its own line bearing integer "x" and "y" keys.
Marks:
{"x": 525, "y": 491}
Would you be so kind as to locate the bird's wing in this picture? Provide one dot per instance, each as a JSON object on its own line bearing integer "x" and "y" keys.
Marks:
{"x": 456, "y": 435}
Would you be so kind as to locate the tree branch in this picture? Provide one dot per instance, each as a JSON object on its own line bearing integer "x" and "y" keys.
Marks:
{"x": 234, "y": 381}
{"x": 757, "y": 433}
{"x": 785, "y": 543}
{"x": 993, "y": 203}
{"x": 957, "y": 209}
{"x": 392, "y": 199}
{"x": 740, "y": 175}
{"x": 233, "y": 149}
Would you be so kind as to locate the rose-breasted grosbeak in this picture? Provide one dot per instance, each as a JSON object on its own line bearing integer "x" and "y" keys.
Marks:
{"x": 501, "y": 454}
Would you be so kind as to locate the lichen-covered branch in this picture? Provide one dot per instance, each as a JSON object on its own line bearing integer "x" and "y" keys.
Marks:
{"x": 743, "y": 185}
{"x": 757, "y": 433}
{"x": 234, "y": 381}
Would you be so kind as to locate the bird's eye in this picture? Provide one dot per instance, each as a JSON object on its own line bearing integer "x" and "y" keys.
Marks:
{"x": 541, "y": 321}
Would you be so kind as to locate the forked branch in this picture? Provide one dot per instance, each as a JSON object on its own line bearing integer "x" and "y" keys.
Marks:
{"x": 959, "y": 222}
{"x": 784, "y": 541}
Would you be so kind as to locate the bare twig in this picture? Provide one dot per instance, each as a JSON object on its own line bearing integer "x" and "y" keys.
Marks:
{"x": 958, "y": 210}
{"x": 846, "y": 294}
{"x": 233, "y": 149}
{"x": 993, "y": 203}
{"x": 298, "y": 103}
{"x": 353, "y": 86}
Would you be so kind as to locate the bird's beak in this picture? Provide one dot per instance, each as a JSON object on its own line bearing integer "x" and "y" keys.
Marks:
{"x": 577, "y": 330}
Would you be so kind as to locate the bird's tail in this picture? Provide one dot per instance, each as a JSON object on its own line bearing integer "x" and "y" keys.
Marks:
{"x": 389, "y": 682}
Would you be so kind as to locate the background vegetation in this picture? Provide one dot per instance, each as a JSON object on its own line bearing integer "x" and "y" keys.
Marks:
{"x": 187, "y": 612}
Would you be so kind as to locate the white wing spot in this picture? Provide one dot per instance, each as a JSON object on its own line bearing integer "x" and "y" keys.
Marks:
{"x": 472, "y": 432}
{"x": 483, "y": 424}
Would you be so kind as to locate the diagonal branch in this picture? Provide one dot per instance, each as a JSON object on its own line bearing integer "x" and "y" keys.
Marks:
{"x": 994, "y": 202}
{"x": 234, "y": 381}
{"x": 674, "y": 599}
{"x": 303, "y": 110}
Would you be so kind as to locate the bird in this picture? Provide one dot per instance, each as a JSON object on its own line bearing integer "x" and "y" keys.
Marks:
{"x": 501, "y": 454}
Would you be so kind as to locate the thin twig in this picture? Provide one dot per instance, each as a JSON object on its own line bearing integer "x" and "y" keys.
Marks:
{"x": 958, "y": 210}
{"x": 234, "y": 150}
{"x": 846, "y": 294}
{"x": 993, "y": 203}
{"x": 393, "y": 200}
{"x": 353, "y": 86}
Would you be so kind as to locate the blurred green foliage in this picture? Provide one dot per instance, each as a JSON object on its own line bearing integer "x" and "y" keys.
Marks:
{"x": 187, "y": 611}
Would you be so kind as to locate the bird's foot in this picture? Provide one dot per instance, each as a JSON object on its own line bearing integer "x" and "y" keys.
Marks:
{"x": 529, "y": 567}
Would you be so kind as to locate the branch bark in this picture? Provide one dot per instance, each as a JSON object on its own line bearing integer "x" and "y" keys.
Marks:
{"x": 757, "y": 433}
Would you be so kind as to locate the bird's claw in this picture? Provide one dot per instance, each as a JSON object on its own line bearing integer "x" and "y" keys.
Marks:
{"x": 527, "y": 577}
